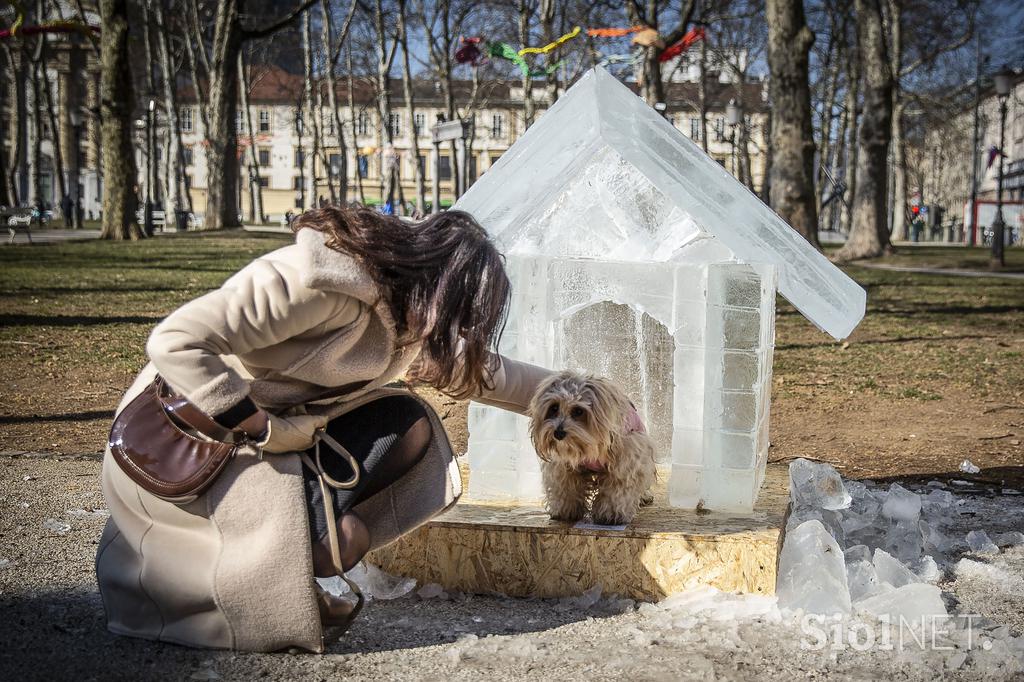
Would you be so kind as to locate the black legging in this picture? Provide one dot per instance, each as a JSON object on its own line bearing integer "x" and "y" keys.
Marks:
{"x": 387, "y": 437}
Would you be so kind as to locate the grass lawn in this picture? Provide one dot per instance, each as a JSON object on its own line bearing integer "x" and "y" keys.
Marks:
{"x": 934, "y": 374}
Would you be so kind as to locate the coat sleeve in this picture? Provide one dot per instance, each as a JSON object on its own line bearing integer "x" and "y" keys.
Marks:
{"x": 257, "y": 308}
{"x": 515, "y": 383}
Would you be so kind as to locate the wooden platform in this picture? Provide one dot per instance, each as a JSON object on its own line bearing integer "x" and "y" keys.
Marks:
{"x": 518, "y": 551}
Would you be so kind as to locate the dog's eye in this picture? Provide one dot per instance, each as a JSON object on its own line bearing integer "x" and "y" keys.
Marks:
{"x": 552, "y": 411}
{"x": 577, "y": 413}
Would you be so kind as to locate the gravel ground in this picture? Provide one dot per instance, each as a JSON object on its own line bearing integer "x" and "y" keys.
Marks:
{"x": 53, "y": 627}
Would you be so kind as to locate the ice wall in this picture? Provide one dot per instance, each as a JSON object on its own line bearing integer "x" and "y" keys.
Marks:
{"x": 719, "y": 458}
{"x": 690, "y": 342}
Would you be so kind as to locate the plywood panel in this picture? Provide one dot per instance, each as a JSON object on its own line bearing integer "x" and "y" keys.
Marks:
{"x": 519, "y": 551}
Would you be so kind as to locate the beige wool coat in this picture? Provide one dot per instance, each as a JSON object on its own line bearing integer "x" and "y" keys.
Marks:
{"x": 233, "y": 568}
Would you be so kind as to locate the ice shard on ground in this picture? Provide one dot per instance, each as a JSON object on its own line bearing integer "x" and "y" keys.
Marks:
{"x": 635, "y": 255}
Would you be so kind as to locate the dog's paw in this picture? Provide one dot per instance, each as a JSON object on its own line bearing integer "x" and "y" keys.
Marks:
{"x": 611, "y": 518}
{"x": 647, "y": 499}
{"x": 567, "y": 511}
{"x": 606, "y": 513}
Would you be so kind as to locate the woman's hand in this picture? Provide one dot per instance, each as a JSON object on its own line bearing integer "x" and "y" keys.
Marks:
{"x": 292, "y": 434}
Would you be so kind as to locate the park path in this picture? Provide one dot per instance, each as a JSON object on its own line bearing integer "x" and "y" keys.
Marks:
{"x": 946, "y": 272}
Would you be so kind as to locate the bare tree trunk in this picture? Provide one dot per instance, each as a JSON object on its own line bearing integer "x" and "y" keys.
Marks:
{"x": 385, "y": 58}
{"x": 352, "y": 115}
{"x": 525, "y": 15}
{"x": 333, "y": 53}
{"x": 546, "y": 11}
{"x": 850, "y": 158}
{"x": 55, "y": 135}
{"x": 116, "y": 103}
{"x": 410, "y": 105}
{"x": 899, "y": 159}
{"x": 35, "y": 145}
{"x": 172, "y": 180}
{"x": 825, "y": 125}
{"x": 702, "y": 95}
{"x": 792, "y": 182}
{"x": 221, "y": 153}
{"x": 196, "y": 53}
{"x": 309, "y": 117}
{"x": 255, "y": 188}
{"x": 15, "y": 132}
{"x": 869, "y": 233}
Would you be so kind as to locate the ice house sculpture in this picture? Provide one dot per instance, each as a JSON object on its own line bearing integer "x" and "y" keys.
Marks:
{"x": 635, "y": 255}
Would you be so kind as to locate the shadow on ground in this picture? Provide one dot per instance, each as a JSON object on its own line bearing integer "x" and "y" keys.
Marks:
{"x": 62, "y": 635}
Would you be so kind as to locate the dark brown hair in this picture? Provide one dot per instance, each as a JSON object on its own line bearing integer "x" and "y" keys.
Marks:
{"x": 444, "y": 282}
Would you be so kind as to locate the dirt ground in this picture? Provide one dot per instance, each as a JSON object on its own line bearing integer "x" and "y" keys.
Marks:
{"x": 932, "y": 376}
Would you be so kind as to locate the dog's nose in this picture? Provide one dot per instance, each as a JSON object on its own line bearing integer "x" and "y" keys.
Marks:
{"x": 559, "y": 434}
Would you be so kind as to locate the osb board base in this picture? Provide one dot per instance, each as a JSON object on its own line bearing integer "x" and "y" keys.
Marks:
{"x": 519, "y": 551}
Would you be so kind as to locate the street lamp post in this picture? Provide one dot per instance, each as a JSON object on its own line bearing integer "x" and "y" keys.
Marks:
{"x": 1002, "y": 83}
{"x": 150, "y": 166}
{"x": 76, "y": 196}
{"x": 733, "y": 118}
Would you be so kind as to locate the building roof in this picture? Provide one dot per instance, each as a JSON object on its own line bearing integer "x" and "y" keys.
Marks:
{"x": 274, "y": 85}
{"x": 601, "y": 175}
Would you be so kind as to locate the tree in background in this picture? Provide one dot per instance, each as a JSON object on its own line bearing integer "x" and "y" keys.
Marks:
{"x": 117, "y": 101}
{"x": 792, "y": 174}
{"x": 869, "y": 231}
{"x": 654, "y": 15}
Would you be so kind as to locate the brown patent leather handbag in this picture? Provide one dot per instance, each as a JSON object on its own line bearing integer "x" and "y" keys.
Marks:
{"x": 152, "y": 443}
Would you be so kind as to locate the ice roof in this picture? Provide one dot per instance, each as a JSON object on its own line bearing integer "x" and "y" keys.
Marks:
{"x": 602, "y": 175}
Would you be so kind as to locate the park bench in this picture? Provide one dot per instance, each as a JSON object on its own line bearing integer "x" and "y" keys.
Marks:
{"x": 17, "y": 219}
{"x": 159, "y": 218}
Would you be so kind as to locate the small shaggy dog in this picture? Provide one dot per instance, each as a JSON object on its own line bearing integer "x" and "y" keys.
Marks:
{"x": 592, "y": 443}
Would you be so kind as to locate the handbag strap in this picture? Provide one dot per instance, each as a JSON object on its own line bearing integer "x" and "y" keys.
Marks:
{"x": 180, "y": 408}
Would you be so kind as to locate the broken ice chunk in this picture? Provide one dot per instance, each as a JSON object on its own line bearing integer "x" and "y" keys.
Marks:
{"x": 979, "y": 541}
{"x": 812, "y": 575}
{"x": 892, "y": 571}
{"x": 927, "y": 570}
{"x": 863, "y": 580}
{"x": 373, "y": 582}
{"x": 857, "y": 553}
{"x": 969, "y": 467}
{"x": 817, "y": 484}
{"x": 917, "y": 606}
{"x": 56, "y": 526}
{"x": 1009, "y": 539}
{"x": 431, "y": 591}
{"x": 901, "y": 504}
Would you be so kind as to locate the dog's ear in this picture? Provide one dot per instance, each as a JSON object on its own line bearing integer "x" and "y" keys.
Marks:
{"x": 609, "y": 405}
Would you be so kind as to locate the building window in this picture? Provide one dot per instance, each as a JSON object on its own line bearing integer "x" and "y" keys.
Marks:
{"x": 446, "y": 168}
{"x": 329, "y": 124}
{"x": 422, "y": 162}
{"x": 419, "y": 121}
{"x": 395, "y": 124}
{"x": 186, "y": 120}
{"x": 300, "y": 157}
{"x": 239, "y": 122}
{"x": 264, "y": 156}
{"x": 264, "y": 181}
{"x": 695, "y": 129}
{"x": 298, "y": 183}
{"x": 363, "y": 124}
{"x": 363, "y": 164}
{"x": 264, "y": 120}
{"x": 720, "y": 128}
{"x": 498, "y": 125}
{"x": 186, "y": 155}
{"x": 334, "y": 160}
